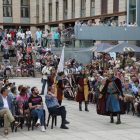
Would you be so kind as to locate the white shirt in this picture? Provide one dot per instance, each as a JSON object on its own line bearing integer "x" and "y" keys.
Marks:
{"x": 37, "y": 64}
{"x": 74, "y": 70}
{"x": 19, "y": 41}
{"x": 133, "y": 58}
{"x": 48, "y": 49}
{"x": 117, "y": 62}
{"x": 22, "y": 35}
{"x": 5, "y": 103}
{"x": 46, "y": 70}
{"x": 18, "y": 34}
{"x": 27, "y": 34}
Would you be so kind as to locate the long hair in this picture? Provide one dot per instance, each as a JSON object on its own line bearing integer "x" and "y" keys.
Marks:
{"x": 23, "y": 90}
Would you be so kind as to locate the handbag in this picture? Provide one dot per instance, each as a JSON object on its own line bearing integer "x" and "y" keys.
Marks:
{"x": 26, "y": 103}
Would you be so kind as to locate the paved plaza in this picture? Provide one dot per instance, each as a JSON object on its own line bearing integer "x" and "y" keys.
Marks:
{"x": 83, "y": 125}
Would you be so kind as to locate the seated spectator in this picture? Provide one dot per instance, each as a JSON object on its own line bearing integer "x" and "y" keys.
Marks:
{"x": 48, "y": 49}
{"x": 24, "y": 68}
{"x": 3, "y": 42}
{"x": 19, "y": 57}
{"x": 113, "y": 23}
{"x": 18, "y": 69}
{"x": 24, "y": 96}
{"x": 6, "y": 57}
{"x": 3, "y": 66}
{"x": 134, "y": 69}
{"x": 24, "y": 53}
{"x": 17, "y": 51}
{"x": 43, "y": 64}
{"x": 27, "y": 56}
{"x": 108, "y": 24}
{"x": 68, "y": 89}
{"x": 1, "y": 84}
{"x": 31, "y": 69}
{"x": 36, "y": 107}
{"x": 128, "y": 93}
{"x": 137, "y": 100}
{"x": 19, "y": 88}
{"x": 11, "y": 50}
{"x": 38, "y": 65}
{"x": 9, "y": 41}
{"x": 13, "y": 93}
{"x": 126, "y": 80}
{"x": 7, "y": 110}
{"x": 6, "y": 47}
{"x": 34, "y": 49}
{"x": 6, "y": 82}
{"x": 11, "y": 68}
{"x": 135, "y": 86}
{"x": 55, "y": 108}
{"x": 29, "y": 60}
{"x": 38, "y": 56}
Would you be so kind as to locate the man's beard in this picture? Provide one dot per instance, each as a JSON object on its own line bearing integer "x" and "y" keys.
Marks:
{"x": 36, "y": 93}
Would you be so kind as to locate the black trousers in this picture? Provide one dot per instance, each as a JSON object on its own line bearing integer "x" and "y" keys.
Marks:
{"x": 32, "y": 71}
{"x": 2, "y": 47}
{"x": 58, "y": 111}
{"x": 60, "y": 102}
{"x": 12, "y": 53}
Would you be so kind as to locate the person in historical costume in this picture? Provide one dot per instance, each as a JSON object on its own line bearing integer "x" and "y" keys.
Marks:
{"x": 51, "y": 77}
{"x": 94, "y": 62}
{"x": 110, "y": 101}
{"x": 98, "y": 60}
{"x": 59, "y": 87}
{"x": 83, "y": 88}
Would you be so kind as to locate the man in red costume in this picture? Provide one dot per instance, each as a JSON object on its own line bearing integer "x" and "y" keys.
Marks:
{"x": 110, "y": 100}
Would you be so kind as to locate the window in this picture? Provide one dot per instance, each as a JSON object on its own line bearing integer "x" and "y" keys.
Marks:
{"x": 50, "y": 9}
{"x": 65, "y": 6}
{"x": 73, "y": 5}
{"x": 104, "y": 7}
{"x": 115, "y": 6}
{"x": 25, "y": 12}
{"x": 7, "y": 2}
{"x": 7, "y": 8}
{"x": 57, "y": 7}
{"x": 92, "y": 3}
{"x": 25, "y": 8}
{"x": 25, "y": 2}
{"x": 83, "y": 4}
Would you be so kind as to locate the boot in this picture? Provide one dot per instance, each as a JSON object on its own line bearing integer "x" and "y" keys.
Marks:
{"x": 118, "y": 119}
{"x": 80, "y": 106}
{"x": 86, "y": 108}
{"x": 111, "y": 118}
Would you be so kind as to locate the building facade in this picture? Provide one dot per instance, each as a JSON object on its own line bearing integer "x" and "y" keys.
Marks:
{"x": 48, "y": 14}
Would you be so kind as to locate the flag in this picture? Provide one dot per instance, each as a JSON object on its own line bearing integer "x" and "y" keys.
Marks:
{"x": 60, "y": 66}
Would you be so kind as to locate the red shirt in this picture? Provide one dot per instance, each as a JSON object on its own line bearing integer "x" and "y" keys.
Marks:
{"x": 29, "y": 61}
{"x": 12, "y": 33}
{"x": 9, "y": 41}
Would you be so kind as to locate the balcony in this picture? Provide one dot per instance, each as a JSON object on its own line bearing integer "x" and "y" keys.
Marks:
{"x": 107, "y": 33}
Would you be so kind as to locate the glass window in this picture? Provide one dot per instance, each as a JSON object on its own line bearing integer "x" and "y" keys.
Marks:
{"x": 57, "y": 7}
{"x": 132, "y": 11}
{"x": 7, "y": 11}
{"x": 7, "y": 2}
{"x": 65, "y": 6}
{"x": 83, "y": 4}
{"x": 50, "y": 9}
{"x": 92, "y": 3}
{"x": 25, "y": 12}
{"x": 25, "y": 2}
{"x": 73, "y": 5}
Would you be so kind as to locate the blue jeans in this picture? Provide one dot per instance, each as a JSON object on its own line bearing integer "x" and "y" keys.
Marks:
{"x": 39, "y": 68}
{"x": 39, "y": 113}
{"x": 28, "y": 40}
{"x": 44, "y": 84}
{"x": 6, "y": 50}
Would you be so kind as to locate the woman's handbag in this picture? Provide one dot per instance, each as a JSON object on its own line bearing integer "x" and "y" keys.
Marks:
{"x": 26, "y": 103}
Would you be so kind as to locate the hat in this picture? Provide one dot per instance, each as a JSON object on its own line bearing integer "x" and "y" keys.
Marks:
{"x": 110, "y": 72}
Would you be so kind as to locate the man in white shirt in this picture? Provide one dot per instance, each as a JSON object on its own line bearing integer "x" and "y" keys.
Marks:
{"x": 19, "y": 43}
{"x": 28, "y": 35}
{"x": 45, "y": 72}
{"x": 74, "y": 70}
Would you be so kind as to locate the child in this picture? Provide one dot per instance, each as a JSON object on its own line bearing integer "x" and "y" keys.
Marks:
{"x": 68, "y": 88}
{"x": 18, "y": 68}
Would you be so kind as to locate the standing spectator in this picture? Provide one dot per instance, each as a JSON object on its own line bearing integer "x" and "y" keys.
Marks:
{"x": 117, "y": 62}
{"x": 89, "y": 23}
{"x": 134, "y": 58}
{"x": 121, "y": 24}
{"x": 49, "y": 37}
{"x": 31, "y": 69}
{"x": 70, "y": 28}
{"x": 108, "y": 24}
{"x": 84, "y": 24}
{"x": 38, "y": 35}
{"x": 124, "y": 24}
{"x": 78, "y": 23}
{"x": 24, "y": 68}
{"x": 15, "y": 34}
{"x": 3, "y": 42}
{"x": 28, "y": 35}
{"x": 22, "y": 36}
{"x": 36, "y": 107}
{"x": 20, "y": 30}
{"x": 1, "y": 34}
{"x": 45, "y": 72}
{"x": 113, "y": 23}
{"x": 12, "y": 33}
{"x": 44, "y": 38}
{"x": 7, "y": 110}
{"x": 130, "y": 61}
{"x": 56, "y": 38}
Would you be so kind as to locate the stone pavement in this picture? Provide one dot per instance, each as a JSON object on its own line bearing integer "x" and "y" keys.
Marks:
{"x": 83, "y": 125}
